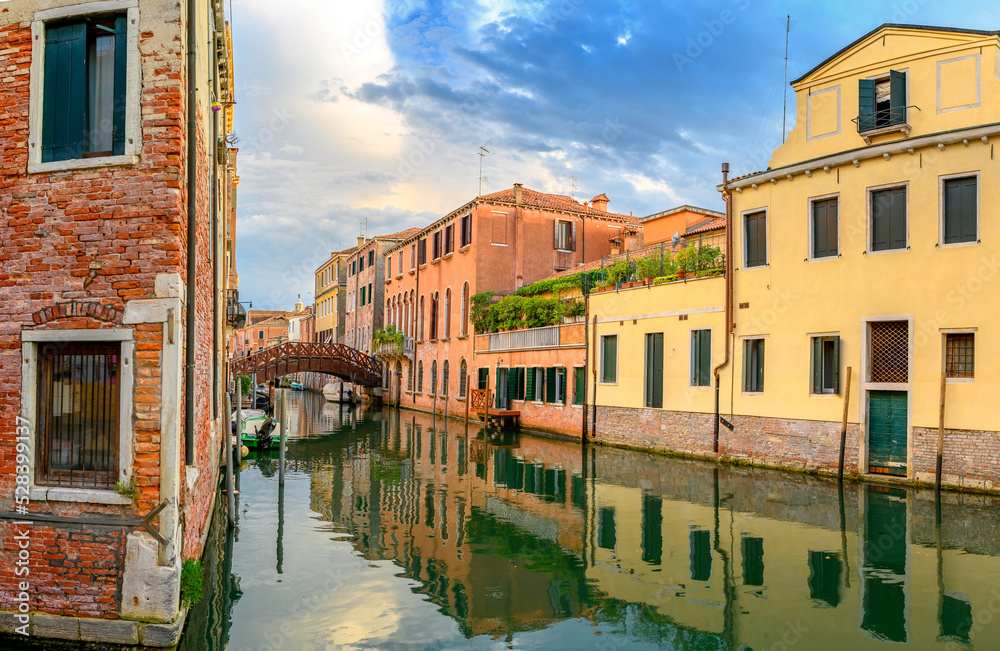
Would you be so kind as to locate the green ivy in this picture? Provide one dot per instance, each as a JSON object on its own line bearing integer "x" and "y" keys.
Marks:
{"x": 192, "y": 582}
{"x": 390, "y": 335}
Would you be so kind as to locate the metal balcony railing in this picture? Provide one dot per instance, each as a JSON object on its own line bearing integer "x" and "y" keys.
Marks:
{"x": 545, "y": 337}
{"x": 236, "y": 314}
{"x": 894, "y": 116}
{"x": 393, "y": 348}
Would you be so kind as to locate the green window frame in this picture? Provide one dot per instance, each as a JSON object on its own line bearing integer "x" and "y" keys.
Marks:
{"x": 825, "y": 365}
{"x": 755, "y": 240}
{"x": 484, "y": 378}
{"x": 888, "y": 219}
{"x": 77, "y": 106}
{"x": 753, "y": 365}
{"x": 579, "y": 384}
{"x": 961, "y": 210}
{"x": 878, "y": 109}
{"x": 825, "y": 228}
{"x": 653, "y": 398}
{"x": 561, "y": 376}
{"x": 701, "y": 358}
{"x": 609, "y": 359}
{"x": 550, "y": 385}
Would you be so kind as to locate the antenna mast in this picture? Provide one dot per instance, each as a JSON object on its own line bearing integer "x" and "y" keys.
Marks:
{"x": 784, "y": 103}
{"x": 482, "y": 154}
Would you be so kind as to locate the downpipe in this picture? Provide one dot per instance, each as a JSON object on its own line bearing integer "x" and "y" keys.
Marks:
{"x": 728, "y": 198}
{"x": 192, "y": 235}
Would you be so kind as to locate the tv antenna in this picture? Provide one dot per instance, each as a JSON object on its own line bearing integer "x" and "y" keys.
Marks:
{"x": 364, "y": 234}
{"x": 789, "y": 23}
{"x": 482, "y": 154}
{"x": 573, "y": 185}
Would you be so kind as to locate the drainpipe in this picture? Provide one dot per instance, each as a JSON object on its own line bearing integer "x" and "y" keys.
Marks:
{"x": 414, "y": 316}
{"x": 192, "y": 226}
{"x": 586, "y": 359}
{"x": 728, "y": 198}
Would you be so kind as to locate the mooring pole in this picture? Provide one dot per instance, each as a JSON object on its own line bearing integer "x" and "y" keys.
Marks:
{"x": 843, "y": 426}
{"x": 239, "y": 425}
{"x": 468, "y": 396}
{"x": 282, "y": 424}
{"x": 940, "y": 446}
{"x": 228, "y": 434}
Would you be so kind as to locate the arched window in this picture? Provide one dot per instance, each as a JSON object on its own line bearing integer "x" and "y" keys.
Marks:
{"x": 409, "y": 376}
{"x": 463, "y": 378}
{"x": 444, "y": 378}
{"x": 435, "y": 297}
{"x": 420, "y": 376}
{"x": 447, "y": 313}
{"x": 420, "y": 320}
{"x": 406, "y": 317}
{"x": 465, "y": 310}
{"x": 434, "y": 377}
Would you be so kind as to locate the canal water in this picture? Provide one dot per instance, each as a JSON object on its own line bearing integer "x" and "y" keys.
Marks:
{"x": 396, "y": 531}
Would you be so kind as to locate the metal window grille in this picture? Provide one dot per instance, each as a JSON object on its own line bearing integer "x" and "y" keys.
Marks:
{"x": 434, "y": 376}
{"x": 444, "y": 378}
{"x": 409, "y": 377}
{"x": 420, "y": 376}
{"x": 463, "y": 379}
{"x": 78, "y": 415}
{"x": 889, "y": 351}
{"x": 960, "y": 355}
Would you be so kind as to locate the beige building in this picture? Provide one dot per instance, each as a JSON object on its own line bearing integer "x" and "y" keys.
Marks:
{"x": 331, "y": 286}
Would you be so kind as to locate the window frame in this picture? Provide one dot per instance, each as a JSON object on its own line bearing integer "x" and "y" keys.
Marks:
{"x": 600, "y": 369}
{"x": 567, "y": 228}
{"x": 133, "y": 87}
{"x": 836, "y": 391}
{"x": 941, "y": 207}
{"x": 755, "y": 390}
{"x": 767, "y": 237}
{"x": 870, "y": 221}
{"x": 31, "y": 341}
{"x": 711, "y": 344}
{"x": 944, "y": 353}
{"x": 811, "y": 244}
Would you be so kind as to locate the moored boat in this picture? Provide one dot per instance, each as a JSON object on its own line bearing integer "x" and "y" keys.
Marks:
{"x": 259, "y": 429}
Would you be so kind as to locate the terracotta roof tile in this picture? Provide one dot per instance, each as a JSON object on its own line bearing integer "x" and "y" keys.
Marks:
{"x": 542, "y": 200}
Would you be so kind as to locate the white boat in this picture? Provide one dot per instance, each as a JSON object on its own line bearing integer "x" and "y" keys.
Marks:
{"x": 332, "y": 392}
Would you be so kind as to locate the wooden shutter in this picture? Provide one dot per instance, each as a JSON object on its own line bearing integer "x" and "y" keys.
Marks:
{"x": 121, "y": 66}
{"x": 550, "y": 385}
{"x": 897, "y": 97}
{"x": 561, "y": 374}
{"x": 825, "y": 228}
{"x": 654, "y": 370}
{"x": 756, "y": 239}
{"x": 836, "y": 365}
{"x": 422, "y": 251}
{"x": 512, "y": 384}
{"x": 701, "y": 350}
{"x": 65, "y": 92}
{"x": 555, "y": 234}
{"x": 572, "y": 236}
{"x": 484, "y": 378}
{"x": 746, "y": 364}
{"x": 529, "y": 381}
{"x": 960, "y": 211}
{"x": 817, "y": 365}
{"x": 898, "y": 218}
{"x": 580, "y": 381}
{"x": 866, "y": 104}
{"x": 760, "y": 365}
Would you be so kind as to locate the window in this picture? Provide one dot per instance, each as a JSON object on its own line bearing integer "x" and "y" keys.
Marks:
{"x": 561, "y": 385}
{"x": 445, "y": 368}
{"x": 420, "y": 376}
{"x": 409, "y": 377}
{"x": 515, "y": 383}
{"x": 260, "y": 334}
{"x": 888, "y": 225}
{"x": 413, "y": 257}
{"x": 752, "y": 550}
{"x": 361, "y": 263}
{"x": 609, "y": 359}
{"x": 467, "y": 230}
{"x": 755, "y": 247}
{"x": 825, "y": 570}
{"x": 465, "y": 309}
{"x": 654, "y": 370}
{"x": 422, "y": 251}
{"x": 83, "y": 101}
{"x": 753, "y": 365}
{"x": 371, "y": 258}
{"x": 484, "y": 378}
{"x": 388, "y": 267}
{"x": 353, "y": 265}
{"x": 463, "y": 378}
{"x": 535, "y": 385}
{"x": 420, "y": 321}
{"x": 700, "y": 555}
{"x": 579, "y": 384}
{"x": 78, "y": 414}
{"x": 825, "y": 231}
{"x": 371, "y": 294}
{"x": 701, "y": 358}
{"x": 565, "y": 236}
{"x": 882, "y": 102}
{"x": 437, "y": 246}
{"x": 960, "y": 355}
{"x": 434, "y": 316}
{"x": 434, "y": 376}
{"x": 361, "y": 301}
{"x": 401, "y": 263}
{"x": 606, "y": 533}
{"x": 447, "y": 313}
{"x": 825, "y": 365}
{"x": 961, "y": 210}
{"x": 449, "y": 238}
{"x": 551, "y": 390}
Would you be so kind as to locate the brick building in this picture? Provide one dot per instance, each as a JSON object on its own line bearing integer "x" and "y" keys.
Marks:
{"x": 366, "y": 279}
{"x": 494, "y": 243}
{"x": 114, "y": 198}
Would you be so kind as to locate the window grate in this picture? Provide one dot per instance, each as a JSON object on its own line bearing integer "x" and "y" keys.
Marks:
{"x": 78, "y": 415}
{"x": 889, "y": 351}
{"x": 960, "y": 355}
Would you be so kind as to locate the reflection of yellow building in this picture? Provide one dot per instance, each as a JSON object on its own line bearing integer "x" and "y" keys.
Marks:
{"x": 331, "y": 284}
{"x": 868, "y": 243}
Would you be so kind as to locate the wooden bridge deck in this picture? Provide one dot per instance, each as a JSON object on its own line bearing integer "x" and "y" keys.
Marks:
{"x": 480, "y": 400}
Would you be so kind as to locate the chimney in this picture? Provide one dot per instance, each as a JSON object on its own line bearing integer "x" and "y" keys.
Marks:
{"x": 361, "y": 241}
{"x": 517, "y": 193}
{"x": 600, "y": 202}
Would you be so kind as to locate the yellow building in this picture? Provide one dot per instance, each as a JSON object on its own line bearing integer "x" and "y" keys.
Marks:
{"x": 331, "y": 287}
{"x": 862, "y": 246}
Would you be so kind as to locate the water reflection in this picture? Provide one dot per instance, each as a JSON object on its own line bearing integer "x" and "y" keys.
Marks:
{"x": 529, "y": 541}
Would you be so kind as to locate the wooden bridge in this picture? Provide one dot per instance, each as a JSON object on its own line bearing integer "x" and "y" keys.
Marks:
{"x": 480, "y": 404}
{"x": 299, "y": 356}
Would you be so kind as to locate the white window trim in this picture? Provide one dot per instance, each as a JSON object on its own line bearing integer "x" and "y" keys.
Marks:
{"x": 822, "y": 335}
{"x": 711, "y": 356}
{"x": 944, "y": 353}
{"x": 811, "y": 227}
{"x": 871, "y": 217}
{"x": 133, "y": 89}
{"x": 941, "y": 180}
{"x": 751, "y": 393}
{"x": 600, "y": 368}
{"x": 31, "y": 339}
{"x": 767, "y": 237}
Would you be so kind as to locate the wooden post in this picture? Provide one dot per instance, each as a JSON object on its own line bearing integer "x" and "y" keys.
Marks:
{"x": 341, "y": 390}
{"x": 468, "y": 397}
{"x": 940, "y": 445}
{"x": 281, "y": 441}
{"x": 486, "y": 407}
{"x": 239, "y": 423}
{"x": 230, "y": 495}
{"x": 843, "y": 425}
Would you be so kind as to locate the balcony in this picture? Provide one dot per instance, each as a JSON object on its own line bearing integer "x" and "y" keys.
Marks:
{"x": 888, "y": 120}
{"x": 567, "y": 335}
{"x": 393, "y": 349}
{"x": 236, "y": 315}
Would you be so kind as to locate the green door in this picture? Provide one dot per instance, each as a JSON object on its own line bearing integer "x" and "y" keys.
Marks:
{"x": 887, "y": 432}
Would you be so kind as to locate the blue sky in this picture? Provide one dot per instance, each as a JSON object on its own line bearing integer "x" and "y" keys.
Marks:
{"x": 370, "y": 114}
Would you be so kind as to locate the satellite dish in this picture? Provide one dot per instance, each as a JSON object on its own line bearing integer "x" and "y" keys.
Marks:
{"x": 676, "y": 239}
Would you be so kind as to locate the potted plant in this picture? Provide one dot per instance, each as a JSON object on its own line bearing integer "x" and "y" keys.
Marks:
{"x": 686, "y": 261}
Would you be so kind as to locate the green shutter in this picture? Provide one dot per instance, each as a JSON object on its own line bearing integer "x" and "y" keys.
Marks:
{"x": 580, "y": 382}
{"x": 817, "y": 365}
{"x": 561, "y": 374}
{"x": 521, "y": 373}
{"x": 609, "y": 359}
{"x": 550, "y": 385}
{"x": 825, "y": 228}
{"x": 760, "y": 365}
{"x": 836, "y": 365}
{"x": 702, "y": 351}
{"x": 121, "y": 66}
{"x": 496, "y": 395}
{"x": 657, "y": 370}
{"x": 866, "y": 104}
{"x": 529, "y": 382}
{"x": 484, "y": 378}
{"x": 897, "y": 97}
{"x": 898, "y": 218}
{"x": 647, "y": 398}
{"x": 746, "y": 364}
{"x": 960, "y": 211}
{"x": 64, "y": 112}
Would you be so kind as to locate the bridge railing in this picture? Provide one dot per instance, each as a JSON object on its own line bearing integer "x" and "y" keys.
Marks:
{"x": 294, "y": 356}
